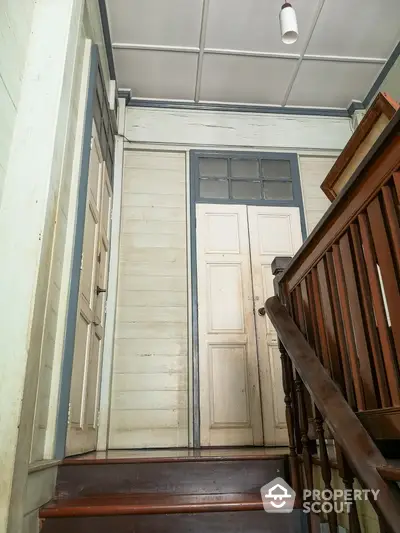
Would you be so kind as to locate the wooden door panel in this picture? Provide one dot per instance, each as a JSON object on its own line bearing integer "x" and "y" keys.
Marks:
{"x": 93, "y": 375}
{"x": 84, "y": 398}
{"x": 230, "y": 409}
{"x": 274, "y": 231}
{"x": 89, "y": 256}
{"x": 79, "y": 369}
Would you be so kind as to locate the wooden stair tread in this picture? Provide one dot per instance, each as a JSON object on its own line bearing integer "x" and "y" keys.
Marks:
{"x": 168, "y": 456}
{"x": 151, "y": 504}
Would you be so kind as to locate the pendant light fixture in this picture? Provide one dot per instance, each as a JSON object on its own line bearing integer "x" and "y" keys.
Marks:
{"x": 288, "y": 20}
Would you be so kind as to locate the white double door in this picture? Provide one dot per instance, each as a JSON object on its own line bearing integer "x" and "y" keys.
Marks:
{"x": 241, "y": 396}
{"x": 86, "y": 369}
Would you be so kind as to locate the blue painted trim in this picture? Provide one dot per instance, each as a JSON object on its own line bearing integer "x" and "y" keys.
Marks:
{"x": 354, "y": 106}
{"x": 107, "y": 38}
{"x": 69, "y": 341}
{"x": 126, "y": 94}
{"x": 195, "y": 199}
{"x": 195, "y": 317}
{"x": 238, "y": 108}
{"x": 382, "y": 75}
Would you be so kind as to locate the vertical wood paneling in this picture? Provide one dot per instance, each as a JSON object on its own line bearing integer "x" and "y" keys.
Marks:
{"x": 338, "y": 321}
{"x": 320, "y": 326}
{"x": 386, "y": 264}
{"x": 363, "y": 361}
{"x": 368, "y": 313}
{"x": 393, "y": 223}
{"x": 332, "y": 347}
{"x": 379, "y": 307}
{"x": 306, "y": 309}
{"x": 151, "y": 321}
{"x": 346, "y": 314}
{"x": 396, "y": 181}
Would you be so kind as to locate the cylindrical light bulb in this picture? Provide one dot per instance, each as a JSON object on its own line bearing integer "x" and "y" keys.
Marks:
{"x": 288, "y": 20}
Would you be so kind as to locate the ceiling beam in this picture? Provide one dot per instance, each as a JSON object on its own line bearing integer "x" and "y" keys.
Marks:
{"x": 249, "y": 53}
{"x": 202, "y": 43}
{"x": 345, "y": 59}
{"x": 246, "y": 53}
{"x": 155, "y": 47}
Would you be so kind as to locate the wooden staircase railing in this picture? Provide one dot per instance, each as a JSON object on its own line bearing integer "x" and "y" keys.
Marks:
{"x": 358, "y": 456}
{"x": 337, "y": 315}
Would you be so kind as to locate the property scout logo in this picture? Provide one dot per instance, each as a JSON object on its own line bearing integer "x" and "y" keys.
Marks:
{"x": 279, "y": 497}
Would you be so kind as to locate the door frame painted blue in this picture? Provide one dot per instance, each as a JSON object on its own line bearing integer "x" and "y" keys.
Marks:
{"x": 69, "y": 341}
{"x": 194, "y": 191}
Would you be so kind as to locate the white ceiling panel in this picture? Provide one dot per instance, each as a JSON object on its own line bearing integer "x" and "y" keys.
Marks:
{"x": 356, "y": 28}
{"x": 232, "y": 50}
{"x": 254, "y": 25}
{"x": 331, "y": 84}
{"x": 156, "y": 22}
{"x": 153, "y": 74}
{"x": 244, "y": 79}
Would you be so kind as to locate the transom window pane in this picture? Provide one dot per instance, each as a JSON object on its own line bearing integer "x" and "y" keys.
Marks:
{"x": 244, "y": 168}
{"x": 210, "y": 188}
{"x": 278, "y": 190}
{"x": 246, "y": 190}
{"x": 213, "y": 168}
{"x": 249, "y": 177}
{"x": 275, "y": 169}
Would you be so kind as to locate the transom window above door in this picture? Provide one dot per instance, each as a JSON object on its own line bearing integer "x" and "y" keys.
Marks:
{"x": 265, "y": 178}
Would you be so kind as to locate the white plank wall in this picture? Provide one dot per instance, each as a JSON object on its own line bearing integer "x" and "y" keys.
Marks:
{"x": 214, "y": 129}
{"x": 313, "y": 170}
{"x": 54, "y": 318}
{"x": 15, "y": 28}
{"x": 150, "y": 389}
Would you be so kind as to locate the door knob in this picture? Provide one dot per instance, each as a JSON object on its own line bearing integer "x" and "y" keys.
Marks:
{"x": 99, "y": 290}
{"x": 261, "y": 311}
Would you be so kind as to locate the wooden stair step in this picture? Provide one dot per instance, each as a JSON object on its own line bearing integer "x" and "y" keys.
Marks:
{"x": 151, "y": 504}
{"x": 211, "y": 476}
{"x": 257, "y": 521}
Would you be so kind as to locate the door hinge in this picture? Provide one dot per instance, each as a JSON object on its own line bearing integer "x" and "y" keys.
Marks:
{"x": 91, "y": 142}
{"x": 69, "y": 414}
{"x": 81, "y": 268}
{"x": 98, "y": 418}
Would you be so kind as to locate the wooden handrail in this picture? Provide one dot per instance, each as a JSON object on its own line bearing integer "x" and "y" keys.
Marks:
{"x": 356, "y": 444}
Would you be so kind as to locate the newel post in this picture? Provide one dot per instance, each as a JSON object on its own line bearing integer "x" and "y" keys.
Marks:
{"x": 278, "y": 266}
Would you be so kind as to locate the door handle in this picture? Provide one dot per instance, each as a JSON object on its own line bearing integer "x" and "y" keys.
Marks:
{"x": 99, "y": 290}
{"x": 261, "y": 311}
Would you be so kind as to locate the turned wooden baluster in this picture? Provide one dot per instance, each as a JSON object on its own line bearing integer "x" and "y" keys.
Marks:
{"x": 290, "y": 419}
{"x": 305, "y": 442}
{"x": 278, "y": 266}
{"x": 348, "y": 481}
{"x": 325, "y": 466}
